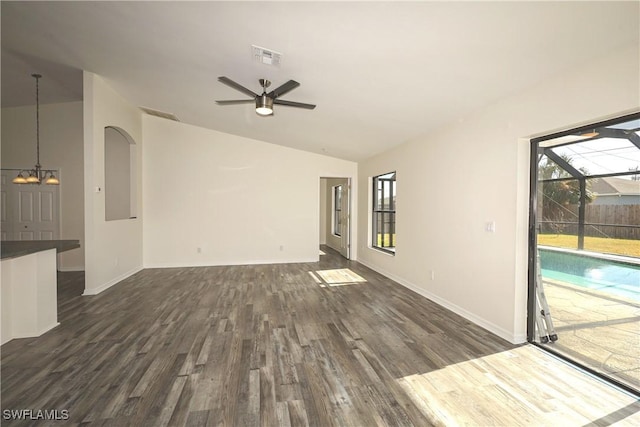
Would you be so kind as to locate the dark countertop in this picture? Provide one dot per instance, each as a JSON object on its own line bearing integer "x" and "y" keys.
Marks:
{"x": 16, "y": 248}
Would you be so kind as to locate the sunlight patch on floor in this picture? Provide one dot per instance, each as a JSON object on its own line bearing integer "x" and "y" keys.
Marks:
{"x": 523, "y": 386}
{"x": 336, "y": 277}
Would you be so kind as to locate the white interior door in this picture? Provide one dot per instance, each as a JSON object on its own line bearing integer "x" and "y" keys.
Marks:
{"x": 29, "y": 212}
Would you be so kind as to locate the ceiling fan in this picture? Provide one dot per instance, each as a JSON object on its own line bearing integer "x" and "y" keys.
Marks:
{"x": 264, "y": 102}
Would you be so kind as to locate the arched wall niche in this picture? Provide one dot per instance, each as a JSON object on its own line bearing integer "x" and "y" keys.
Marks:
{"x": 119, "y": 174}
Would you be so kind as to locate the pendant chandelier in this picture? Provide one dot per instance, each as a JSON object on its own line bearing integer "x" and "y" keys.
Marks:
{"x": 37, "y": 175}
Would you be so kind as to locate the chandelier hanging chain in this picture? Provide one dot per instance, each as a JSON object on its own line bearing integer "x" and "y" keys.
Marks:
{"x": 37, "y": 77}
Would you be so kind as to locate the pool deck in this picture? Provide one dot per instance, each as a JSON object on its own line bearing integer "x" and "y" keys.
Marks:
{"x": 598, "y": 329}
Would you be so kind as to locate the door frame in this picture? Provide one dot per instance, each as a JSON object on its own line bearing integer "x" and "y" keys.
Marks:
{"x": 346, "y": 205}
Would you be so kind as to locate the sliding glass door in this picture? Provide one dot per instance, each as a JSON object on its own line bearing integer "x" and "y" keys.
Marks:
{"x": 584, "y": 273}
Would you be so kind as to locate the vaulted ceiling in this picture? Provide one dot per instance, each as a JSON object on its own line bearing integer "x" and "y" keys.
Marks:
{"x": 381, "y": 73}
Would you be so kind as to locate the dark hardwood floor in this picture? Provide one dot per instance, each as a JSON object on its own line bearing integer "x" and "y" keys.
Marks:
{"x": 321, "y": 344}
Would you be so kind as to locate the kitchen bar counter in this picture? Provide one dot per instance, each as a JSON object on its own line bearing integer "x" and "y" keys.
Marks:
{"x": 28, "y": 287}
{"x": 16, "y": 248}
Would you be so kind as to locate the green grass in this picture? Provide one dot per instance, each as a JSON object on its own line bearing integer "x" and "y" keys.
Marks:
{"x": 605, "y": 245}
{"x": 625, "y": 247}
{"x": 387, "y": 239}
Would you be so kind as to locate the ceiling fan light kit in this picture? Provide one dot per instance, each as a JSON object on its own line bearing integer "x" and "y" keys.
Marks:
{"x": 265, "y": 101}
{"x": 264, "y": 105}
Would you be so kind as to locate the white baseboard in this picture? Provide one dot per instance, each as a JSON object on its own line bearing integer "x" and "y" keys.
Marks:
{"x": 69, "y": 269}
{"x": 518, "y": 338}
{"x": 48, "y": 328}
{"x": 29, "y": 334}
{"x": 222, "y": 264}
{"x": 490, "y": 326}
{"x": 112, "y": 282}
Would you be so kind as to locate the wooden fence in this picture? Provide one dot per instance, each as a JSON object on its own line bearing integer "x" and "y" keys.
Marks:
{"x": 614, "y": 221}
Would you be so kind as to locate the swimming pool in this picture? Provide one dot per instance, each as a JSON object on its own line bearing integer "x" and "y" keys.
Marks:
{"x": 616, "y": 278}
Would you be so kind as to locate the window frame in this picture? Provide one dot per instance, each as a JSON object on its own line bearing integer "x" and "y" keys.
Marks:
{"x": 388, "y": 209}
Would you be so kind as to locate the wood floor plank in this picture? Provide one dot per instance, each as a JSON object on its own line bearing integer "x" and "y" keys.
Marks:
{"x": 267, "y": 398}
{"x": 252, "y": 415}
{"x": 283, "y": 418}
{"x": 279, "y": 345}
{"x": 171, "y": 402}
{"x": 181, "y": 412}
{"x": 297, "y": 413}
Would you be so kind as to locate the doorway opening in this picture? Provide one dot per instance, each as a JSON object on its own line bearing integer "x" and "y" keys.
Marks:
{"x": 335, "y": 218}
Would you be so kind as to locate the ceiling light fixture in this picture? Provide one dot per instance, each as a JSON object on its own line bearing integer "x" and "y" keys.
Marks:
{"x": 264, "y": 105}
{"x": 37, "y": 174}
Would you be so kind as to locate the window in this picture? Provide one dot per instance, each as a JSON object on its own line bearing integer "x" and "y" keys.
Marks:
{"x": 384, "y": 212}
{"x": 337, "y": 210}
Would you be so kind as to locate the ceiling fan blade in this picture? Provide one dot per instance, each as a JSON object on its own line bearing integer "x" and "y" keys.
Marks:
{"x": 236, "y": 86}
{"x": 294, "y": 104}
{"x": 236, "y": 101}
{"x": 281, "y": 90}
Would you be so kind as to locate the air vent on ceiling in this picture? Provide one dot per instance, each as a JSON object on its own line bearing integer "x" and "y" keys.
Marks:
{"x": 152, "y": 112}
{"x": 266, "y": 56}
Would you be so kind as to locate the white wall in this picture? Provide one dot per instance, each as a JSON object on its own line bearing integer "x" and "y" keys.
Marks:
{"x": 451, "y": 182}
{"x": 240, "y": 201}
{"x": 113, "y": 249}
{"x": 323, "y": 211}
{"x": 61, "y": 147}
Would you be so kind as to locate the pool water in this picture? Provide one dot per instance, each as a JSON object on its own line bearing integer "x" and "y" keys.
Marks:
{"x": 616, "y": 278}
